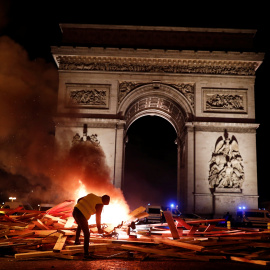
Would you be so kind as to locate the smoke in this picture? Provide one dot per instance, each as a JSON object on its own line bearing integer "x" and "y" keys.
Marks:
{"x": 31, "y": 163}
{"x": 27, "y": 103}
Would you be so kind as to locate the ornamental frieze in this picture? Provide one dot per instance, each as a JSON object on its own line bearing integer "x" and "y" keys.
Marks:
{"x": 187, "y": 89}
{"x": 130, "y": 64}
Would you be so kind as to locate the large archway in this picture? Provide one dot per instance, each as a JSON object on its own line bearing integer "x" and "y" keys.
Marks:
{"x": 150, "y": 173}
{"x": 172, "y": 105}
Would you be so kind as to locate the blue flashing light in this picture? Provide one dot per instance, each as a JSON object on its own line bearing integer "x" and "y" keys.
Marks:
{"x": 172, "y": 205}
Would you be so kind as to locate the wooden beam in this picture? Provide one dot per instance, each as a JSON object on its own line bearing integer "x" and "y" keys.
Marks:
{"x": 170, "y": 221}
{"x": 240, "y": 259}
{"x": 135, "y": 212}
{"x": 193, "y": 229}
{"x": 210, "y": 227}
{"x": 182, "y": 223}
{"x": 180, "y": 244}
{"x": 40, "y": 224}
{"x": 34, "y": 254}
{"x": 91, "y": 246}
{"x": 60, "y": 243}
{"x": 69, "y": 223}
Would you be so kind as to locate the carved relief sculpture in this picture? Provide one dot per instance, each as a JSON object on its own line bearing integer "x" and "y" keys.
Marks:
{"x": 133, "y": 64}
{"x": 225, "y": 100}
{"x": 87, "y": 95}
{"x": 226, "y": 168}
{"x": 91, "y": 139}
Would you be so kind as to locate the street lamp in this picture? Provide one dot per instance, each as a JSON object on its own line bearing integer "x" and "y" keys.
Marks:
{"x": 12, "y": 198}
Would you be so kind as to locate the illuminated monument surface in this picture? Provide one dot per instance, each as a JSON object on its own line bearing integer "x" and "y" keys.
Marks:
{"x": 200, "y": 80}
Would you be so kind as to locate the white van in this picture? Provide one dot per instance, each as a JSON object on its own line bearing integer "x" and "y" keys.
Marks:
{"x": 253, "y": 217}
{"x": 45, "y": 206}
{"x": 155, "y": 214}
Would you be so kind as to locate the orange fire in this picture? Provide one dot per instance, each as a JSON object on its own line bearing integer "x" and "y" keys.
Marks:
{"x": 114, "y": 213}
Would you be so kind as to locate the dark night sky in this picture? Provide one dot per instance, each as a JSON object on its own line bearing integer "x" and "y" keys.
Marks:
{"x": 34, "y": 25}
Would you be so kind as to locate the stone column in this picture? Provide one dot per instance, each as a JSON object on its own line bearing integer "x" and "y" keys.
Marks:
{"x": 177, "y": 141}
{"x": 119, "y": 154}
{"x": 190, "y": 167}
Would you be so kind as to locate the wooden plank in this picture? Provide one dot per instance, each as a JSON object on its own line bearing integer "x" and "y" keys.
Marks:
{"x": 170, "y": 221}
{"x": 135, "y": 212}
{"x": 142, "y": 215}
{"x": 210, "y": 227}
{"x": 151, "y": 250}
{"x": 34, "y": 254}
{"x": 69, "y": 223}
{"x": 37, "y": 232}
{"x": 241, "y": 259}
{"x": 182, "y": 223}
{"x": 80, "y": 249}
{"x": 138, "y": 242}
{"x": 60, "y": 243}
{"x": 67, "y": 232}
{"x": 28, "y": 216}
{"x": 40, "y": 224}
{"x": 72, "y": 251}
{"x": 193, "y": 229}
{"x": 201, "y": 221}
{"x": 30, "y": 226}
{"x": 22, "y": 235}
{"x": 180, "y": 244}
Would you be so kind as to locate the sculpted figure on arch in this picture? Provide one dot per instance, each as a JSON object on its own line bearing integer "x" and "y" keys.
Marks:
{"x": 226, "y": 169}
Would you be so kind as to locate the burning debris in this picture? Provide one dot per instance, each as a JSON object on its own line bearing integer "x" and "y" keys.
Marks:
{"x": 34, "y": 234}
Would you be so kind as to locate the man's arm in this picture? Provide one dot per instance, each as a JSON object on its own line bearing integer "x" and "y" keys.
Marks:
{"x": 99, "y": 208}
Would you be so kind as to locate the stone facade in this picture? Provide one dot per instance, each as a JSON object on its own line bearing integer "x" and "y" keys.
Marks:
{"x": 208, "y": 97}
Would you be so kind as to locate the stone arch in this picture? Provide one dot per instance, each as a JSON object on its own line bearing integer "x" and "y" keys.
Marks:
{"x": 164, "y": 101}
{"x": 157, "y": 99}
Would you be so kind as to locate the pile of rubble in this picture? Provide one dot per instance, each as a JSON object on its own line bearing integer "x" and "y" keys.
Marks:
{"x": 52, "y": 233}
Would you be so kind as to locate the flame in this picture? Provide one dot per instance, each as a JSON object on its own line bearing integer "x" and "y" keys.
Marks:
{"x": 114, "y": 213}
{"x": 81, "y": 191}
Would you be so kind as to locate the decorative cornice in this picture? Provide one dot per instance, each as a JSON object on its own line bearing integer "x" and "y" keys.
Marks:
{"x": 156, "y": 65}
{"x": 220, "y": 126}
{"x": 91, "y": 122}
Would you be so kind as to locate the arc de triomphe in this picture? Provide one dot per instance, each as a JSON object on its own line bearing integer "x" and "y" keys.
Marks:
{"x": 207, "y": 96}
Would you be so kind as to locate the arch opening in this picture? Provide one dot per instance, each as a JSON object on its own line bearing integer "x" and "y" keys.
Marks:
{"x": 150, "y": 173}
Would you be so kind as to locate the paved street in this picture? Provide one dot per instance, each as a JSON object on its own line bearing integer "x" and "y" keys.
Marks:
{"x": 124, "y": 264}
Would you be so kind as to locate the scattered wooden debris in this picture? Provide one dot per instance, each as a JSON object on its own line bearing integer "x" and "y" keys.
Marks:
{"x": 37, "y": 234}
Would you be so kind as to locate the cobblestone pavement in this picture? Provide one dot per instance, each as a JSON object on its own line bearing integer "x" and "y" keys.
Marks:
{"x": 11, "y": 263}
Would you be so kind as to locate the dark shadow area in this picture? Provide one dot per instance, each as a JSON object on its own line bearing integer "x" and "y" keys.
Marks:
{"x": 150, "y": 174}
